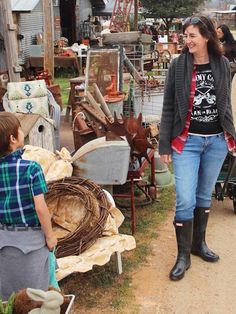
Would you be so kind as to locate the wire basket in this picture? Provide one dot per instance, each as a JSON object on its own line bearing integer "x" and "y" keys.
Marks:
{"x": 74, "y": 194}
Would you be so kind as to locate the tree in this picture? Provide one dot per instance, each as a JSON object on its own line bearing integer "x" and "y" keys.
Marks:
{"x": 167, "y": 10}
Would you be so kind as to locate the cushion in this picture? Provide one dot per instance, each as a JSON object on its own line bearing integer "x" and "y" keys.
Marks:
{"x": 31, "y": 105}
{"x": 26, "y": 90}
{"x": 28, "y": 97}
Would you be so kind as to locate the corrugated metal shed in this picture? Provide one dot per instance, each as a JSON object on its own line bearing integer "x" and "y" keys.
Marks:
{"x": 30, "y": 24}
{"x": 23, "y": 6}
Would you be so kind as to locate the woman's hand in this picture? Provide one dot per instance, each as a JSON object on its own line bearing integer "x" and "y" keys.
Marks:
{"x": 166, "y": 158}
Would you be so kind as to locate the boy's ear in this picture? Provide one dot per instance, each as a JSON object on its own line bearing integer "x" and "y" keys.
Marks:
{"x": 12, "y": 139}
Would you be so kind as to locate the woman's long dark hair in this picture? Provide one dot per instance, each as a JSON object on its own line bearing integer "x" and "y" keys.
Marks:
{"x": 207, "y": 30}
{"x": 227, "y": 35}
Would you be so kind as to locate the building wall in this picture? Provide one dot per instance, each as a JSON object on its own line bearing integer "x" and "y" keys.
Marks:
{"x": 30, "y": 24}
{"x": 85, "y": 9}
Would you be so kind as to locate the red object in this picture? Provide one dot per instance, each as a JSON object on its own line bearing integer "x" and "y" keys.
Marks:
{"x": 178, "y": 142}
{"x": 68, "y": 53}
{"x": 112, "y": 94}
{"x": 85, "y": 42}
{"x": 120, "y": 15}
{"x": 44, "y": 75}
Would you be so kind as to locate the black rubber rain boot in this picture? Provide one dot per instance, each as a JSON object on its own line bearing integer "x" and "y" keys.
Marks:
{"x": 184, "y": 231}
{"x": 199, "y": 246}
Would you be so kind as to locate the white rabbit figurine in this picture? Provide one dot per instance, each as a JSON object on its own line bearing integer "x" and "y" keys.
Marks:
{"x": 52, "y": 301}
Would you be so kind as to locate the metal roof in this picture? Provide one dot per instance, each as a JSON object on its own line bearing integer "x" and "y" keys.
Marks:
{"x": 106, "y": 10}
{"x": 23, "y": 6}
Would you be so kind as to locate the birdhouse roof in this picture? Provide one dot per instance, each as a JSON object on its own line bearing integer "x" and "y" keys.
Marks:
{"x": 27, "y": 121}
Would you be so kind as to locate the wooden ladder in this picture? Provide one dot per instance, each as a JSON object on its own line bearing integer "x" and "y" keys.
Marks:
{"x": 120, "y": 16}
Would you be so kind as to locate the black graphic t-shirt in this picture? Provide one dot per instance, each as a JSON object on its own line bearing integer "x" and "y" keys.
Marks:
{"x": 204, "y": 119}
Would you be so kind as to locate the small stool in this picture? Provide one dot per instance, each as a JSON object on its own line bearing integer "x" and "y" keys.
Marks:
{"x": 72, "y": 96}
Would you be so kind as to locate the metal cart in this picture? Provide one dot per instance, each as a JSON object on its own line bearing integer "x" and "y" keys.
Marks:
{"x": 226, "y": 182}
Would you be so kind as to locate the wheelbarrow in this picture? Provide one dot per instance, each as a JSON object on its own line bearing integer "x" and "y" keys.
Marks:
{"x": 226, "y": 183}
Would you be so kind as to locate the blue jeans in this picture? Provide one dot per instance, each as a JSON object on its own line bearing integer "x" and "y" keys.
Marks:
{"x": 196, "y": 170}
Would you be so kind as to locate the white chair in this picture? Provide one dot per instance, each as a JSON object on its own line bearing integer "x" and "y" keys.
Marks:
{"x": 33, "y": 97}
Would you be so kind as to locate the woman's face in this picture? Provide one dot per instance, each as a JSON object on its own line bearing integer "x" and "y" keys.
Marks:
{"x": 196, "y": 43}
{"x": 219, "y": 32}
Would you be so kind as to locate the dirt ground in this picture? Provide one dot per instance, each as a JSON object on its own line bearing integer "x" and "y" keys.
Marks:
{"x": 206, "y": 287}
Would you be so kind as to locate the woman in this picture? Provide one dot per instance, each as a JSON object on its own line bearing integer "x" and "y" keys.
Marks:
{"x": 228, "y": 42}
{"x": 196, "y": 131}
{"x": 229, "y": 46}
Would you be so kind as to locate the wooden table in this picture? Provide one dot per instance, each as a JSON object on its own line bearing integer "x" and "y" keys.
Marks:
{"x": 59, "y": 62}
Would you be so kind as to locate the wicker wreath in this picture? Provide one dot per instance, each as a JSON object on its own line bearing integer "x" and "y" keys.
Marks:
{"x": 95, "y": 207}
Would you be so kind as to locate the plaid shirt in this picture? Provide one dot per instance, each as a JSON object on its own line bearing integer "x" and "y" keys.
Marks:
{"x": 20, "y": 181}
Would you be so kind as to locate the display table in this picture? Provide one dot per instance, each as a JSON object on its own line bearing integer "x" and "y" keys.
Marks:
{"x": 59, "y": 62}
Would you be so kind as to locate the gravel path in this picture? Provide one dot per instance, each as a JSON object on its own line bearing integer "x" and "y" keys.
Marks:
{"x": 206, "y": 288}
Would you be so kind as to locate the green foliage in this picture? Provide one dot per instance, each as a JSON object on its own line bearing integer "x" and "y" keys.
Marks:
{"x": 1, "y": 307}
{"x": 167, "y": 10}
{"x": 7, "y": 308}
{"x": 171, "y": 8}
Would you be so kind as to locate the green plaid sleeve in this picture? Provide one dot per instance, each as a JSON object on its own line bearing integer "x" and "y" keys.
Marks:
{"x": 39, "y": 185}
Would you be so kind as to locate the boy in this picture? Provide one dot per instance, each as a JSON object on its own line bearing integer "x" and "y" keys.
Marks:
{"x": 26, "y": 234}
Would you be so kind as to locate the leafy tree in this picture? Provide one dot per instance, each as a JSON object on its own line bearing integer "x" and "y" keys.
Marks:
{"x": 167, "y": 10}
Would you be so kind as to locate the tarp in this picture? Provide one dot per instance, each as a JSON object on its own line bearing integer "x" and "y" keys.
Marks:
{"x": 23, "y": 6}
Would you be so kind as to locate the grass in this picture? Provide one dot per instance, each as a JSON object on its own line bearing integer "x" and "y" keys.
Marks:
{"x": 65, "y": 88}
{"x": 102, "y": 290}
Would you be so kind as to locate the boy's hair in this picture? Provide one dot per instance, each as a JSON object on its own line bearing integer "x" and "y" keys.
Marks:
{"x": 9, "y": 125}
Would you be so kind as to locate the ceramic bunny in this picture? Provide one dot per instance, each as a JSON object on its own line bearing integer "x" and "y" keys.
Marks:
{"x": 52, "y": 301}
